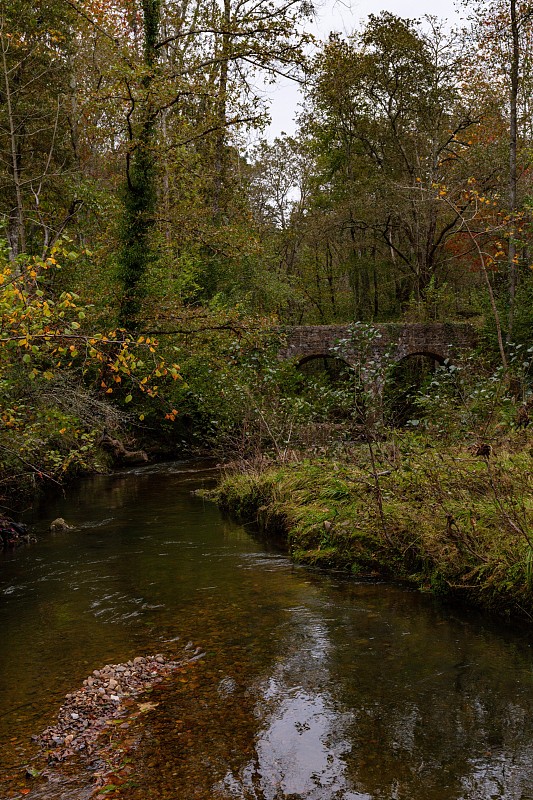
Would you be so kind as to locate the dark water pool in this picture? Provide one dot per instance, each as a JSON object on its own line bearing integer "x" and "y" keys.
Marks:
{"x": 312, "y": 686}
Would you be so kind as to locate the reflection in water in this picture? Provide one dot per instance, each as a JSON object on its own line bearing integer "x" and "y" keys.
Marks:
{"x": 312, "y": 687}
{"x": 301, "y": 742}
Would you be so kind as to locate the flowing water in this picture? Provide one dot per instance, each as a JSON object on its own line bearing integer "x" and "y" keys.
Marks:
{"x": 313, "y": 686}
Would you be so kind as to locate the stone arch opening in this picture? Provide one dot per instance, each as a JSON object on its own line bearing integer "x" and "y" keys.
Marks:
{"x": 337, "y": 369}
{"x": 404, "y": 382}
{"x": 328, "y": 382}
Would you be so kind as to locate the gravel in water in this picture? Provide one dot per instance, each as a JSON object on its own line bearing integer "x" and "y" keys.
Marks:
{"x": 108, "y": 699}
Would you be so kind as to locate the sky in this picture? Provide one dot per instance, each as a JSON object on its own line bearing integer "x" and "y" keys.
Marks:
{"x": 344, "y": 16}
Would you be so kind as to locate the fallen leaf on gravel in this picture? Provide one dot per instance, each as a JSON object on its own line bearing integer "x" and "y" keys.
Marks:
{"x": 144, "y": 707}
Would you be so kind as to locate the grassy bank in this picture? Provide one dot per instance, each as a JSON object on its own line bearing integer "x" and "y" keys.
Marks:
{"x": 447, "y": 520}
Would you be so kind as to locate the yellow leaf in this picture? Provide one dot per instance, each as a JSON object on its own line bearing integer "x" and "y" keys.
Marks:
{"x": 144, "y": 707}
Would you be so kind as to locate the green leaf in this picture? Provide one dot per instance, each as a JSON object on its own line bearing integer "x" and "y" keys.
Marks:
{"x": 32, "y": 772}
{"x": 128, "y": 398}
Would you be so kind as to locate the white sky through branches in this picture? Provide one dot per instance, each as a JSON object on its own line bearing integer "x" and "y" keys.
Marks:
{"x": 345, "y": 16}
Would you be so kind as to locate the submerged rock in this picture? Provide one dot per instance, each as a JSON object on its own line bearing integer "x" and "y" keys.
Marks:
{"x": 59, "y": 525}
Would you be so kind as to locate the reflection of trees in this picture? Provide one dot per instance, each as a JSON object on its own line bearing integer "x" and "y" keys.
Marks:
{"x": 430, "y": 700}
{"x": 351, "y": 693}
{"x": 388, "y": 700}
{"x": 206, "y": 728}
{"x": 301, "y": 743}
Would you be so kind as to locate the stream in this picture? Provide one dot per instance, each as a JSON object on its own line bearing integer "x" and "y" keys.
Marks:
{"x": 313, "y": 685}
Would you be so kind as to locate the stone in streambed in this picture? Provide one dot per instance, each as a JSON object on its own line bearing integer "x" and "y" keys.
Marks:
{"x": 58, "y": 525}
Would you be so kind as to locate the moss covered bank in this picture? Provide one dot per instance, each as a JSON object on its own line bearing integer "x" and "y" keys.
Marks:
{"x": 455, "y": 522}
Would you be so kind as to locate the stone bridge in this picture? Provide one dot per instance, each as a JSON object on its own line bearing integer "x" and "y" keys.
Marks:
{"x": 443, "y": 341}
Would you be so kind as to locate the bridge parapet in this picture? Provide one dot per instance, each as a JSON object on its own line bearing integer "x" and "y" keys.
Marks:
{"x": 441, "y": 340}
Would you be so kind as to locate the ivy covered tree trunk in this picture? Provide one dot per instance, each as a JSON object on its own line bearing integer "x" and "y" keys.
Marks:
{"x": 220, "y": 177}
{"x": 513, "y": 172}
{"x": 140, "y": 195}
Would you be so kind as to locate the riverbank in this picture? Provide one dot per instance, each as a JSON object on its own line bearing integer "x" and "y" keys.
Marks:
{"x": 24, "y": 485}
{"x": 453, "y": 521}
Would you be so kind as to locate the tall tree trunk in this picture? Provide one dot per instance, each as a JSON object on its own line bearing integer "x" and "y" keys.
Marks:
{"x": 375, "y": 282}
{"x": 140, "y": 190}
{"x": 17, "y": 233}
{"x": 355, "y": 281}
{"x": 515, "y": 65}
{"x": 220, "y": 177}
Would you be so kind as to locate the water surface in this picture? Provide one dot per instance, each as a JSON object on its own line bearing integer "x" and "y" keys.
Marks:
{"x": 313, "y": 686}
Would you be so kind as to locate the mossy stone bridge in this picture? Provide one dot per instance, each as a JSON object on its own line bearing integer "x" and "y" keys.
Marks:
{"x": 441, "y": 341}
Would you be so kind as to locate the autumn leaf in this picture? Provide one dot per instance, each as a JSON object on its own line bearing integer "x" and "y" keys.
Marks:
{"x": 145, "y": 707}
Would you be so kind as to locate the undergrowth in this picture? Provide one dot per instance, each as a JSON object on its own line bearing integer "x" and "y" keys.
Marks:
{"x": 456, "y": 524}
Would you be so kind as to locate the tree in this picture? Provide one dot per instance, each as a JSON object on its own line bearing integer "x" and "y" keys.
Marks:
{"x": 140, "y": 191}
{"x": 390, "y": 124}
{"x": 194, "y": 85}
{"x": 503, "y": 33}
{"x": 36, "y": 154}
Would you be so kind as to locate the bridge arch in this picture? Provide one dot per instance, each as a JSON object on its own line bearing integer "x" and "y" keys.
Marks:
{"x": 328, "y": 382}
{"x": 324, "y": 357}
{"x": 404, "y": 381}
{"x": 410, "y": 347}
{"x": 438, "y": 358}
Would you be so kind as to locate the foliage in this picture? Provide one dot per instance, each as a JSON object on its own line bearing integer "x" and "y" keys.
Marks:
{"x": 42, "y": 334}
{"x": 56, "y": 375}
{"x": 38, "y": 197}
{"x": 230, "y": 395}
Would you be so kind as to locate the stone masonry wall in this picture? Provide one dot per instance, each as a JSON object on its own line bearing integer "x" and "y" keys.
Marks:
{"x": 441, "y": 340}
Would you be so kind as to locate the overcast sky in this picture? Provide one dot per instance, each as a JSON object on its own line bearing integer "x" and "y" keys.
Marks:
{"x": 345, "y": 16}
